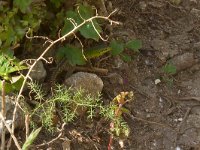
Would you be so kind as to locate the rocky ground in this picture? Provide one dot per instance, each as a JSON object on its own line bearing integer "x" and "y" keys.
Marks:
{"x": 165, "y": 113}
{"x": 170, "y": 33}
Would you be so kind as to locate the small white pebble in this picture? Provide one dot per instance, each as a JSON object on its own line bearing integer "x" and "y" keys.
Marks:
{"x": 121, "y": 143}
{"x": 148, "y": 115}
{"x": 178, "y": 148}
{"x": 157, "y": 81}
{"x": 180, "y": 119}
{"x": 179, "y": 92}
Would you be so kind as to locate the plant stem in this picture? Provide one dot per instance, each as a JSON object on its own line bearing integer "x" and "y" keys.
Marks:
{"x": 3, "y": 111}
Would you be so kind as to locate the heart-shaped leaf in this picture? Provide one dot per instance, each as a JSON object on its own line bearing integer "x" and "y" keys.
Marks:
{"x": 134, "y": 45}
{"x": 116, "y": 47}
{"x": 73, "y": 54}
{"x": 126, "y": 57}
{"x": 22, "y": 4}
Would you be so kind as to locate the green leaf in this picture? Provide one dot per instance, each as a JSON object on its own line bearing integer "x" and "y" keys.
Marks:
{"x": 8, "y": 87}
{"x": 68, "y": 26}
{"x": 57, "y": 3}
{"x": 31, "y": 138}
{"x": 86, "y": 12}
{"x": 9, "y": 65}
{"x": 117, "y": 47}
{"x": 15, "y": 85}
{"x": 7, "y": 51}
{"x": 75, "y": 16}
{"x": 73, "y": 54}
{"x": 169, "y": 69}
{"x": 126, "y": 57}
{"x": 16, "y": 82}
{"x": 134, "y": 45}
{"x": 89, "y": 32}
{"x": 22, "y": 4}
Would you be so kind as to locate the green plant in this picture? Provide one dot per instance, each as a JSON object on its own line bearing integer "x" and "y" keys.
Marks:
{"x": 65, "y": 102}
{"x": 91, "y": 30}
{"x": 16, "y": 20}
{"x": 8, "y": 66}
{"x": 169, "y": 70}
{"x": 118, "y": 47}
{"x": 68, "y": 104}
{"x": 31, "y": 139}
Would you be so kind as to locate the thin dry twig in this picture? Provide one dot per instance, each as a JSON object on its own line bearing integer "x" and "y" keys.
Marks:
{"x": 10, "y": 131}
{"x": 3, "y": 111}
{"x": 82, "y": 47}
{"x": 181, "y": 124}
{"x": 151, "y": 122}
{"x": 53, "y": 140}
{"x": 27, "y": 123}
{"x": 190, "y": 98}
{"x": 92, "y": 69}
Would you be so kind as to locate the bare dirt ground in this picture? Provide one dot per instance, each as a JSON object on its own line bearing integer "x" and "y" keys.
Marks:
{"x": 167, "y": 30}
{"x": 164, "y": 116}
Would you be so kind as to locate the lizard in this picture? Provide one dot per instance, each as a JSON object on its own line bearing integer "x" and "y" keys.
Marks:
{"x": 64, "y": 65}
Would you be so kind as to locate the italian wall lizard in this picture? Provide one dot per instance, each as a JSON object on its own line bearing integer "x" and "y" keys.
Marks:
{"x": 64, "y": 65}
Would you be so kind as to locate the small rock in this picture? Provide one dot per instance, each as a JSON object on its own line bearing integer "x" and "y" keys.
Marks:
{"x": 197, "y": 46}
{"x": 190, "y": 137}
{"x": 194, "y": 120}
{"x": 87, "y": 81}
{"x": 180, "y": 42}
{"x": 9, "y": 114}
{"x": 193, "y": 1}
{"x": 157, "y": 81}
{"x": 163, "y": 50}
{"x": 178, "y": 148}
{"x": 120, "y": 64}
{"x": 38, "y": 73}
{"x": 176, "y": 2}
{"x": 66, "y": 144}
{"x": 142, "y": 5}
{"x": 115, "y": 78}
{"x": 156, "y": 4}
{"x": 195, "y": 12}
{"x": 183, "y": 61}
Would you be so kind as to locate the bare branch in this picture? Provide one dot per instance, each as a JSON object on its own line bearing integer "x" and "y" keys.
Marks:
{"x": 3, "y": 111}
{"x": 61, "y": 133}
{"x": 10, "y": 131}
{"x": 38, "y": 37}
{"x": 98, "y": 32}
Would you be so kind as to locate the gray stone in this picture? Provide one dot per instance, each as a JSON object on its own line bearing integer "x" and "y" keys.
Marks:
{"x": 195, "y": 12}
{"x": 156, "y": 4}
{"x": 194, "y": 120}
{"x": 88, "y": 81}
{"x": 183, "y": 61}
{"x": 193, "y": 1}
{"x": 193, "y": 84}
{"x": 180, "y": 42}
{"x": 197, "y": 46}
{"x": 115, "y": 78}
{"x": 9, "y": 114}
{"x": 142, "y": 5}
{"x": 120, "y": 64}
{"x": 190, "y": 137}
{"x": 163, "y": 49}
{"x": 38, "y": 73}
